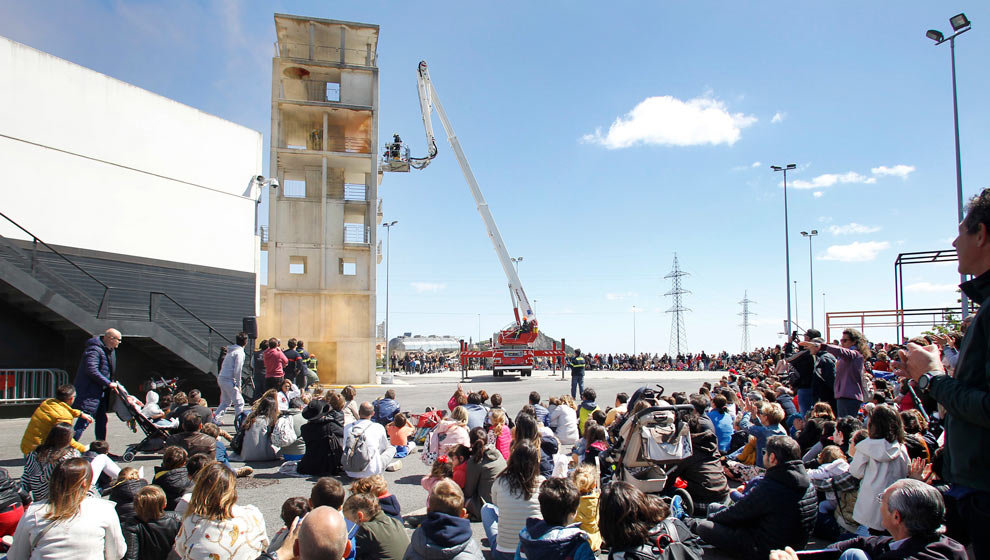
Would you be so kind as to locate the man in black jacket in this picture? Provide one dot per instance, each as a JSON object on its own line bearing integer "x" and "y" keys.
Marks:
{"x": 965, "y": 394}
{"x": 780, "y": 511}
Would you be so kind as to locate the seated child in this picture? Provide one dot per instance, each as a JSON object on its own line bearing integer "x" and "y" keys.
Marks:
{"x": 151, "y": 410}
{"x": 379, "y": 536}
{"x": 459, "y": 457}
{"x": 376, "y": 486}
{"x": 291, "y": 509}
{"x": 499, "y": 433}
{"x": 329, "y": 492}
{"x": 172, "y": 476}
{"x": 443, "y": 468}
{"x": 105, "y": 470}
{"x": 585, "y": 478}
{"x": 193, "y": 465}
{"x": 152, "y": 530}
{"x": 446, "y": 528}
{"x": 123, "y": 490}
{"x": 595, "y": 441}
{"x": 553, "y": 537}
{"x": 399, "y": 430}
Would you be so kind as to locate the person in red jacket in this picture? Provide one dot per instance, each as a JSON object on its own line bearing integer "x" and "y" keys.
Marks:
{"x": 275, "y": 361}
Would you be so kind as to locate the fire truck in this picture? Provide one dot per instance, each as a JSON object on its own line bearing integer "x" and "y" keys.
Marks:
{"x": 512, "y": 348}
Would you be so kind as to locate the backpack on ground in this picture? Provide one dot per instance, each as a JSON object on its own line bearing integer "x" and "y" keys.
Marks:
{"x": 357, "y": 455}
{"x": 284, "y": 433}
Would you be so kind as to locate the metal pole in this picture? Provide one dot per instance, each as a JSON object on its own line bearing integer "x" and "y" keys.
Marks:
{"x": 797, "y": 319}
{"x": 959, "y": 195}
{"x": 388, "y": 262}
{"x": 787, "y": 257}
{"x": 811, "y": 268}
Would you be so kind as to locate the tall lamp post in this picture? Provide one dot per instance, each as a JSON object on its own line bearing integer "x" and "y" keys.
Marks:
{"x": 516, "y": 261}
{"x": 811, "y": 268}
{"x": 797, "y": 320}
{"x": 787, "y": 242}
{"x": 960, "y": 24}
{"x": 388, "y": 243}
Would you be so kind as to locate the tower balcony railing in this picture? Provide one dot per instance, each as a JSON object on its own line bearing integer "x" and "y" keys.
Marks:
{"x": 345, "y": 144}
{"x": 353, "y": 57}
{"x": 357, "y": 234}
{"x": 355, "y": 192}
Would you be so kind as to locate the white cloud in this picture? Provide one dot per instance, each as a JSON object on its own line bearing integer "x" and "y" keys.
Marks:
{"x": 423, "y": 287}
{"x": 829, "y": 179}
{"x": 855, "y": 252}
{"x": 620, "y": 296}
{"x": 852, "y": 228}
{"x": 668, "y": 121}
{"x": 778, "y": 117}
{"x": 928, "y": 287}
{"x": 901, "y": 171}
{"x": 756, "y": 164}
{"x": 817, "y": 194}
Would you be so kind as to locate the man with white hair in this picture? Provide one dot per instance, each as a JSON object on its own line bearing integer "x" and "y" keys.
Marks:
{"x": 912, "y": 513}
{"x": 93, "y": 378}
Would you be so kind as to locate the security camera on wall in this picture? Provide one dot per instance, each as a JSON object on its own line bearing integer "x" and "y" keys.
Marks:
{"x": 274, "y": 182}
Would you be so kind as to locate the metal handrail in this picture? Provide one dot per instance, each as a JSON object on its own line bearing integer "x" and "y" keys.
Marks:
{"x": 37, "y": 240}
{"x": 154, "y": 315}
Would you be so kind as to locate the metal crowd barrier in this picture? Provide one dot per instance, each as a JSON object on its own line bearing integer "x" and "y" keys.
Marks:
{"x": 29, "y": 386}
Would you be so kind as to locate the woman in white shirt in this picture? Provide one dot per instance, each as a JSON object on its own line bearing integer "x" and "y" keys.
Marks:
{"x": 70, "y": 525}
{"x": 516, "y": 496}
{"x": 214, "y": 526}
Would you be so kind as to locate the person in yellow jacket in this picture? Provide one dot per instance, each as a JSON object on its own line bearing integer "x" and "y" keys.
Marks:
{"x": 49, "y": 413}
{"x": 586, "y": 478}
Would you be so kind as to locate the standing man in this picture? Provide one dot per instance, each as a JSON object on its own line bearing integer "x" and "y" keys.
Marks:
{"x": 275, "y": 361}
{"x": 292, "y": 368}
{"x": 576, "y": 364}
{"x": 93, "y": 377}
{"x": 966, "y": 394}
{"x": 230, "y": 379}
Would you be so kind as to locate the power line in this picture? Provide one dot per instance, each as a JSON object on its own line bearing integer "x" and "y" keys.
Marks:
{"x": 678, "y": 334}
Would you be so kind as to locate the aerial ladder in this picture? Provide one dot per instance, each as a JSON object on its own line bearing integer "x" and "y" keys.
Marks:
{"x": 512, "y": 348}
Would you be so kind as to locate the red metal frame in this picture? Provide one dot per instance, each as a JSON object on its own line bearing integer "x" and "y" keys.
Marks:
{"x": 895, "y": 319}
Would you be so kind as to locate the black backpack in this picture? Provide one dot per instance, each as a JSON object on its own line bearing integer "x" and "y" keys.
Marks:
{"x": 11, "y": 495}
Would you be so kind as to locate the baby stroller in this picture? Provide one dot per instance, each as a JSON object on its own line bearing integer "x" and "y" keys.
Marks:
{"x": 125, "y": 407}
{"x": 648, "y": 443}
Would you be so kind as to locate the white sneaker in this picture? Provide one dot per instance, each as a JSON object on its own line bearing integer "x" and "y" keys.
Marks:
{"x": 395, "y": 466}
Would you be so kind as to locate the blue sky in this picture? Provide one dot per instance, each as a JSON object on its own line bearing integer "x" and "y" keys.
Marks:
{"x": 607, "y": 137}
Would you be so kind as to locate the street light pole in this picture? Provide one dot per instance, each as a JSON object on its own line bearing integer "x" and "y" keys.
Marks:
{"x": 388, "y": 261}
{"x": 811, "y": 269}
{"x": 797, "y": 320}
{"x": 787, "y": 243}
{"x": 960, "y": 24}
{"x": 516, "y": 261}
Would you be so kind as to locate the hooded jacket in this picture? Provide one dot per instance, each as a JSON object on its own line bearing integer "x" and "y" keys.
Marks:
{"x": 702, "y": 470}
{"x": 780, "y": 511}
{"x": 587, "y": 518}
{"x": 48, "y": 413}
{"x": 443, "y": 537}
{"x": 878, "y": 463}
{"x": 539, "y": 540}
{"x": 94, "y": 374}
{"x": 385, "y": 410}
{"x": 548, "y": 448}
{"x": 584, "y": 412}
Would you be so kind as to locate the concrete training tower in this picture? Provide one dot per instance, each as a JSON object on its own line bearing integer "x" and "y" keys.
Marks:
{"x": 321, "y": 236}
{"x": 678, "y": 335}
{"x": 746, "y": 324}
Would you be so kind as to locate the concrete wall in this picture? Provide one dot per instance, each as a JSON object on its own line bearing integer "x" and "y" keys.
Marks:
{"x": 93, "y": 162}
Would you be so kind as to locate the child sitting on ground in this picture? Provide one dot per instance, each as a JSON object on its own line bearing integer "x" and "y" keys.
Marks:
{"x": 587, "y": 407}
{"x": 378, "y": 536}
{"x": 328, "y": 491}
{"x": 499, "y": 434}
{"x": 193, "y": 465}
{"x": 833, "y": 463}
{"x": 446, "y": 529}
{"x": 399, "y": 430}
{"x": 595, "y": 442}
{"x": 376, "y": 486}
{"x": 123, "y": 490}
{"x": 553, "y": 537}
{"x": 171, "y": 476}
{"x": 585, "y": 478}
{"x": 443, "y": 468}
{"x": 291, "y": 509}
{"x": 459, "y": 457}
